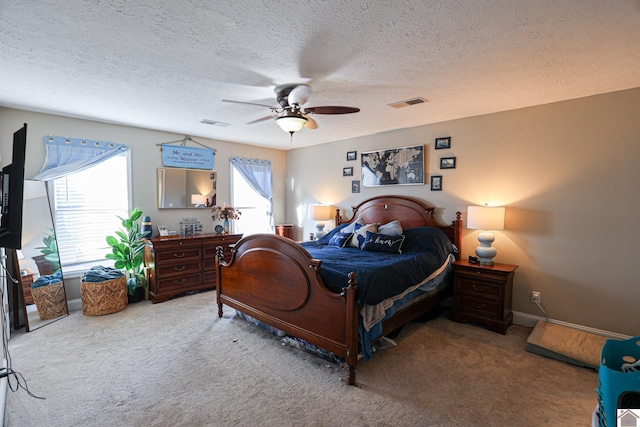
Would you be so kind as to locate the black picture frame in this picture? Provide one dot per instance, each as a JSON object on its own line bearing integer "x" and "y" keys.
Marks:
{"x": 393, "y": 166}
{"x": 443, "y": 143}
{"x": 352, "y": 155}
{"x": 348, "y": 171}
{"x": 447, "y": 163}
{"x": 436, "y": 183}
{"x": 355, "y": 186}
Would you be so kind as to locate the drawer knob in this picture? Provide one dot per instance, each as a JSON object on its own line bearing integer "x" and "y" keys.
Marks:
{"x": 478, "y": 306}
{"x": 180, "y": 255}
{"x": 177, "y": 281}
{"x": 180, "y": 268}
{"x": 478, "y": 288}
{"x": 478, "y": 272}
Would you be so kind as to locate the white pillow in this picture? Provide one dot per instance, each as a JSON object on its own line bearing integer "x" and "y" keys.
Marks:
{"x": 360, "y": 235}
{"x": 392, "y": 228}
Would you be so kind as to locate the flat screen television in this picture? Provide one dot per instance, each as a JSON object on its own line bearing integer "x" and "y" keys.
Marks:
{"x": 12, "y": 184}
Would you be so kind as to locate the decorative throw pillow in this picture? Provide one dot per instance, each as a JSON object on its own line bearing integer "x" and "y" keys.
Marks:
{"x": 351, "y": 227}
{"x": 392, "y": 228}
{"x": 383, "y": 243}
{"x": 360, "y": 234}
{"x": 340, "y": 239}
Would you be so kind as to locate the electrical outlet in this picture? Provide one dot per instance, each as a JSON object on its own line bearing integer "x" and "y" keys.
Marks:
{"x": 535, "y": 297}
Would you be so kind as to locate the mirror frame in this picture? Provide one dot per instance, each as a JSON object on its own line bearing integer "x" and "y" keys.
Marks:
{"x": 32, "y": 320}
{"x": 194, "y": 181}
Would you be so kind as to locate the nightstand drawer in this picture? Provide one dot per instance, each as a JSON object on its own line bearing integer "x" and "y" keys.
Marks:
{"x": 473, "y": 273}
{"x": 478, "y": 288}
{"x": 486, "y": 308}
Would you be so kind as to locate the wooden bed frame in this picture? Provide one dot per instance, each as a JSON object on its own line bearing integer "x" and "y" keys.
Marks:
{"x": 275, "y": 280}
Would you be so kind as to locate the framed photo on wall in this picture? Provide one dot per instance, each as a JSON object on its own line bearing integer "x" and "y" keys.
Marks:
{"x": 448, "y": 163}
{"x": 436, "y": 183}
{"x": 352, "y": 155}
{"x": 347, "y": 171}
{"x": 355, "y": 186}
{"x": 395, "y": 166}
{"x": 442, "y": 143}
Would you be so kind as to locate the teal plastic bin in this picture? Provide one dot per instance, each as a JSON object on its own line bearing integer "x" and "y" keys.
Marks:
{"x": 618, "y": 378}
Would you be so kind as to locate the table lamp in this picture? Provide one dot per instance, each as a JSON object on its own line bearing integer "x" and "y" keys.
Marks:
{"x": 198, "y": 200}
{"x": 320, "y": 213}
{"x": 485, "y": 218}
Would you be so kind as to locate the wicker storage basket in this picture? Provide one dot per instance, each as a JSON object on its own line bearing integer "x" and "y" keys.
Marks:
{"x": 100, "y": 298}
{"x": 50, "y": 300}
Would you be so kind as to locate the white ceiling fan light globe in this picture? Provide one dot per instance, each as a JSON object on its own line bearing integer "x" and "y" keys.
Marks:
{"x": 299, "y": 95}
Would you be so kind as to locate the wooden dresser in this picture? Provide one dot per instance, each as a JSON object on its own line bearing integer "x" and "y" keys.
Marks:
{"x": 180, "y": 265}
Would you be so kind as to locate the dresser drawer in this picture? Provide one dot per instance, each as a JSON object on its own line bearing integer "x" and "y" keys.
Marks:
{"x": 485, "y": 308}
{"x": 478, "y": 288}
{"x": 178, "y": 254}
{"x": 171, "y": 269}
{"x": 177, "y": 284}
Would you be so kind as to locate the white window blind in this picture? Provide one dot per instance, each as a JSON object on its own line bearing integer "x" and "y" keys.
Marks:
{"x": 85, "y": 207}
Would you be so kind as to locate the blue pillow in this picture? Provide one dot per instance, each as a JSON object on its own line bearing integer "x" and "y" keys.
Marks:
{"x": 375, "y": 242}
{"x": 359, "y": 235}
{"x": 340, "y": 239}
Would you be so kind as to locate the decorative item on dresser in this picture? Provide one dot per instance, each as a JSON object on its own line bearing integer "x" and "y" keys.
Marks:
{"x": 483, "y": 294}
{"x": 285, "y": 230}
{"x": 176, "y": 266}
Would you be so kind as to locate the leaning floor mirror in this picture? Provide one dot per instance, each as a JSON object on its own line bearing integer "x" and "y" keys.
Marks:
{"x": 40, "y": 284}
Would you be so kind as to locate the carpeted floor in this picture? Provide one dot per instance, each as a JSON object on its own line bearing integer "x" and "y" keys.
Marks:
{"x": 177, "y": 364}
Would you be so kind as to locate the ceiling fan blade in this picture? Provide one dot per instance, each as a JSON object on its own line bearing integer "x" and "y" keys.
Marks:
{"x": 262, "y": 119}
{"x": 248, "y": 103}
{"x": 331, "y": 110}
{"x": 311, "y": 124}
{"x": 299, "y": 94}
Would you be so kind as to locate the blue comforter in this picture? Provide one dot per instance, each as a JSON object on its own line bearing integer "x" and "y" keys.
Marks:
{"x": 382, "y": 275}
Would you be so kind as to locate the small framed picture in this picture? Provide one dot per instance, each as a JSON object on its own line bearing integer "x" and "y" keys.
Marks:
{"x": 448, "y": 163}
{"x": 355, "y": 186}
{"x": 442, "y": 143}
{"x": 347, "y": 171}
{"x": 436, "y": 183}
{"x": 352, "y": 155}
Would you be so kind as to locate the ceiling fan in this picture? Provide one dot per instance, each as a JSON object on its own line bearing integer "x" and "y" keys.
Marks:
{"x": 291, "y": 115}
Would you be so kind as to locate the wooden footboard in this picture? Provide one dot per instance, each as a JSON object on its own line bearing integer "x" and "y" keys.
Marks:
{"x": 275, "y": 280}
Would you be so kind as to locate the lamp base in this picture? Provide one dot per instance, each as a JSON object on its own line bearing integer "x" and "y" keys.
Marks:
{"x": 320, "y": 230}
{"x": 485, "y": 252}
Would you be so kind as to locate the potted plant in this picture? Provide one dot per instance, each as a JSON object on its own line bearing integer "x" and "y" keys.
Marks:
{"x": 49, "y": 261}
{"x": 127, "y": 250}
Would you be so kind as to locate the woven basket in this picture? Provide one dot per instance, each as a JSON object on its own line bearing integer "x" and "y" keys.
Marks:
{"x": 100, "y": 298}
{"x": 50, "y": 300}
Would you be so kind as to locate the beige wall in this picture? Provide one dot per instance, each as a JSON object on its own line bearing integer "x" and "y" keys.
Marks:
{"x": 145, "y": 159}
{"x": 568, "y": 174}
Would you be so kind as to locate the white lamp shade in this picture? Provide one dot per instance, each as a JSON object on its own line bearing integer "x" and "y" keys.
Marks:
{"x": 485, "y": 218}
{"x": 320, "y": 212}
{"x": 198, "y": 199}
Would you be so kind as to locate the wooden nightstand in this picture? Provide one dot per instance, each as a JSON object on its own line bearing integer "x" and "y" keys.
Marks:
{"x": 482, "y": 294}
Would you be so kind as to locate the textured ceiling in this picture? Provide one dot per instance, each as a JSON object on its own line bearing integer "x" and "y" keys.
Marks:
{"x": 167, "y": 65}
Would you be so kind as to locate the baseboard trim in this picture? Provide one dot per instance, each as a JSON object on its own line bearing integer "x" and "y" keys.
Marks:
{"x": 530, "y": 320}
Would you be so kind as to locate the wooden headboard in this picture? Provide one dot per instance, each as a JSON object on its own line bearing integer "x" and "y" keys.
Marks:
{"x": 411, "y": 213}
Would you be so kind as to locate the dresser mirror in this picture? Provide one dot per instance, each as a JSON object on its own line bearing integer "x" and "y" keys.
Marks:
{"x": 38, "y": 262}
{"x": 186, "y": 188}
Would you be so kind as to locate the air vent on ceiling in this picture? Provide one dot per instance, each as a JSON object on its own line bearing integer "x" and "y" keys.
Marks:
{"x": 408, "y": 102}
{"x": 214, "y": 123}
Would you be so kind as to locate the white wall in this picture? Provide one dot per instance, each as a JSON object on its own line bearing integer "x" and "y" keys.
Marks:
{"x": 568, "y": 174}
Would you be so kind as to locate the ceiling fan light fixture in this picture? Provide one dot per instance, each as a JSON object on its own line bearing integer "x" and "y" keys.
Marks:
{"x": 291, "y": 123}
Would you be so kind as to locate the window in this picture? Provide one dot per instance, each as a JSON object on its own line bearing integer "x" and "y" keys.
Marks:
{"x": 256, "y": 210}
{"x": 86, "y": 206}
